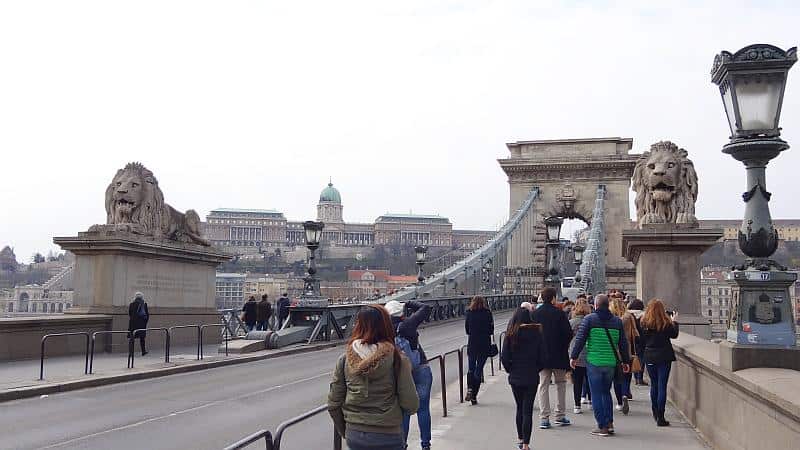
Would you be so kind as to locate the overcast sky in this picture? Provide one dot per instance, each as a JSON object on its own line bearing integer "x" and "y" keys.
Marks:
{"x": 407, "y": 105}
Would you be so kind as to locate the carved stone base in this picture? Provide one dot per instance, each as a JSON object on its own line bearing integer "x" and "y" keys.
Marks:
{"x": 111, "y": 267}
{"x": 667, "y": 259}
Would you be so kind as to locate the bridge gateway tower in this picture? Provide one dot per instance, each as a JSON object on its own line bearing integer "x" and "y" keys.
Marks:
{"x": 568, "y": 173}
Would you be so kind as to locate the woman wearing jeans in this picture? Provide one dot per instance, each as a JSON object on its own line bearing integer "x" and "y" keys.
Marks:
{"x": 523, "y": 357}
{"x": 657, "y": 329}
{"x": 479, "y": 325}
{"x": 579, "y": 381}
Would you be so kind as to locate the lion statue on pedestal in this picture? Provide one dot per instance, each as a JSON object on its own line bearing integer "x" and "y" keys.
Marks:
{"x": 665, "y": 183}
{"x": 135, "y": 204}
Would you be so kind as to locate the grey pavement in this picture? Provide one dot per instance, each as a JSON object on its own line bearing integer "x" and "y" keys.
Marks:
{"x": 207, "y": 409}
{"x": 490, "y": 425}
{"x": 25, "y": 373}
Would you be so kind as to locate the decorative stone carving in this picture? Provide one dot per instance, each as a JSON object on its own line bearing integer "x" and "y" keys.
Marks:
{"x": 135, "y": 204}
{"x": 665, "y": 183}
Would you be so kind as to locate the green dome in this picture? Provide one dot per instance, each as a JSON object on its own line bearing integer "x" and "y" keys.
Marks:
{"x": 330, "y": 194}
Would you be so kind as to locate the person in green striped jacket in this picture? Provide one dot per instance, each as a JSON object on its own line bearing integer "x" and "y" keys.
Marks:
{"x": 606, "y": 347}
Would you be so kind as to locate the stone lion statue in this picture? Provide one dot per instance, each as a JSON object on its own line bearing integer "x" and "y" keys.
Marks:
{"x": 135, "y": 203}
{"x": 665, "y": 183}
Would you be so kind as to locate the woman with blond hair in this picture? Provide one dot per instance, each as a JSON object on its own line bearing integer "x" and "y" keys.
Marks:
{"x": 372, "y": 385}
{"x": 658, "y": 328}
{"x": 622, "y": 387}
{"x": 479, "y": 325}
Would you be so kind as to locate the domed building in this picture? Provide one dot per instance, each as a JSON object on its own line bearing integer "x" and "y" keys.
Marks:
{"x": 329, "y": 208}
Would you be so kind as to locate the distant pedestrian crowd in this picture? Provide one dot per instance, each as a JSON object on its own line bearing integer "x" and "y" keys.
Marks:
{"x": 599, "y": 343}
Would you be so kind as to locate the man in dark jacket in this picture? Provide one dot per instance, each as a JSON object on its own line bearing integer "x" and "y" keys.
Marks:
{"x": 606, "y": 347}
{"x": 263, "y": 313}
{"x": 283, "y": 309}
{"x": 250, "y": 310}
{"x": 557, "y": 336}
{"x": 406, "y": 319}
{"x": 138, "y": 315}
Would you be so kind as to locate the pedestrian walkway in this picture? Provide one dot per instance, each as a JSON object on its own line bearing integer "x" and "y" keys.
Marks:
{"x": 490, "y": 425}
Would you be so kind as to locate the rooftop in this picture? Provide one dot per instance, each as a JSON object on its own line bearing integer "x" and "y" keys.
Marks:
{"x": 412, "y": 217}
{"x": 246, "y": 210}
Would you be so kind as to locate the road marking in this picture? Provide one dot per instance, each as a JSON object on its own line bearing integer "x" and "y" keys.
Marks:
{"x": 188, "y": 410}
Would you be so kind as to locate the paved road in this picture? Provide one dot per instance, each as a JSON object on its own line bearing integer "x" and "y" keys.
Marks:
{"x": 207, "y": 409}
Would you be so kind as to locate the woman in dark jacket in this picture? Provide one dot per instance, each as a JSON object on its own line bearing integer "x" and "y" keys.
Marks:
{"x": 479, "y": 325}
{"x": 523, "y": 357}
{"x": 657, "y": 330}
{"x": 138, "y": 315}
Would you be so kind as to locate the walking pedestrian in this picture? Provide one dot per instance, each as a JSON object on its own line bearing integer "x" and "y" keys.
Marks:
{"x": 636, "y": 307}
{"x": 479, "y": 325}
{"x": 263, "y": 313}
{"x": 622, "y": 386}
{"x": 658, "y": 327}
{"x": 138, "y": 316}
{"x": 606, "y": 349}
{"x": 283, "y": 305}
{"x": 250, "y": 313}
{"x": 523, "y": 358}
{"x": 406, "y": 319}
{"x": 579, "y": 381}
{"x": 557, "y": 336}
{"x": 372, "y": 386}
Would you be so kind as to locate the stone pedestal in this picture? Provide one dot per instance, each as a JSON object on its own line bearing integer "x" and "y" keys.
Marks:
{"x": 177, "y": 279}
{"x": 667, "y": 259}
{"x": 738, "y": 356}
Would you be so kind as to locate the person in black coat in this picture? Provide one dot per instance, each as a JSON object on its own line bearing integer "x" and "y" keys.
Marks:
{"x": 250, "y": 310}
{"x": 523, "y": 357}
{"x": 557, "y": 335}
{"x": 282, "y": 305}
{"x": 138, "y": 315}
{"x": 658, "y": 328}
{"x": 479, "y": 325}
{"x": 263, "y": 313}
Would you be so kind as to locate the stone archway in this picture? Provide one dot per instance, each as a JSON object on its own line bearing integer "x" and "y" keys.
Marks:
{"x": 23, "y": 302}
{"x": 568, "y": 173}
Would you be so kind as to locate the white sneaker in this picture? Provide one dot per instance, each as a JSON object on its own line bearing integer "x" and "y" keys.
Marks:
{"x": 618, "y": 407}
{"x": 585, "y": 401}
{"x": 577, "y": 410}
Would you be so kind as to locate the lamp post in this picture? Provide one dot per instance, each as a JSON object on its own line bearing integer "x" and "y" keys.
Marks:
{"x": 752, "y": 82}
{"x": 577, "y": 253}
{"x": 518, "y": 283}
{"x": 553, "y": 227}
{"x": 487, "y": 273}
{"x": 313, "y": 234}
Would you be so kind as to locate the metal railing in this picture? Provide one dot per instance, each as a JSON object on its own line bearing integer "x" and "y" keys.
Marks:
{"x": 134, "y": 337}
{"x": 209, "y": 325}
{"x": 199, "y": 338}
{"x": 48, "y": 336}
{"x": 275, "y": 443}
{"x": 94, "y": 337}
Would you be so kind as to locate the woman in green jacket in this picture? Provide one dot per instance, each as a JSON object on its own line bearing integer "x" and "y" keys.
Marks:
{"x": 372, "y": 386}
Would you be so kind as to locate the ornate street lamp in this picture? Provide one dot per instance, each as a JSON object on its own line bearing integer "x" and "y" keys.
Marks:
{"x": 577, "y": 252}
{"x": 752, "y": 82}
{"x": 553, "y": 226}
{"x": 421, "y": 251}
{"x": 487, "y": 273}
{"x": 313, "y": 232}
{"x": 518, "y": 285}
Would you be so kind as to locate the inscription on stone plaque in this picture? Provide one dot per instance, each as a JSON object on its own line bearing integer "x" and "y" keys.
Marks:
{"x": 167, "y": 283}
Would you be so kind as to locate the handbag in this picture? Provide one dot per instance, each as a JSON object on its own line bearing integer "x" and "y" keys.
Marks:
{"x": 619, "y": 374}
{"x": 636, "y": 364}
{"x": 493, "y": 350}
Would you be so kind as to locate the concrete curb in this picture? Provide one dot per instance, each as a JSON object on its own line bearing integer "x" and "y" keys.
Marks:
{"x": 103, "y": 380}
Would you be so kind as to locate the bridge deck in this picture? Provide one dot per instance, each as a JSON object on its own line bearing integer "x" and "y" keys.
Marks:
{"x": 490, "y": 425}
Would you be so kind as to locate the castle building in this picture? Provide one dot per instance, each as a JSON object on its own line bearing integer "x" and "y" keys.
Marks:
{"x": 252, "y": 231}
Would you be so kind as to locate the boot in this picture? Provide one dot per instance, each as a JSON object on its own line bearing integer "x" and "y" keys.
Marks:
{"x": 655, "y": 413}
{"x": 661, "y": 421}
{"x": 470, "y": 383}
{"x": 475, "y": 390}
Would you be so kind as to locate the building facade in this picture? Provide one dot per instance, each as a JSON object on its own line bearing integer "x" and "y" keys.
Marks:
{"x": 252, "y": 231}
{"x": 788, "y": 229}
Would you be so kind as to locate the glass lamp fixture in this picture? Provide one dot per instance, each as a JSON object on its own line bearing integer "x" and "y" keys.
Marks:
{"x": 553, "y": 225}
{"x": 752, "y": 82}
{"x": 313, "y": 233}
